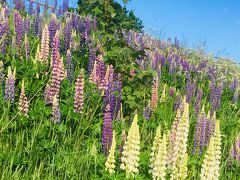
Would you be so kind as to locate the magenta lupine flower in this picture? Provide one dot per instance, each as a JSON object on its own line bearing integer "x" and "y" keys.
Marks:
{"x": 79, "y": 93}
{"x": 55, "y": 110}
{"x": 18, "y": 24}
{"x": 69, "y": 66}
{"x": 53, "y": 27}
{"x": 57, "y": 69}
{"x": 171, "y": 92}
{"x": 198, "y": 100}
{"x": 107, "y": 130}
{"x": 9, "y": 85}
{"x": 91, "y": 59}
{"x": 30, "y": 7}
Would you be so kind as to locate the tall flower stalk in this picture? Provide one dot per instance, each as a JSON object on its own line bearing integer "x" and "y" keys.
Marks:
{"x": 79, "y": 93}
{"x": 23, "y": 102}
{"x": 10, "y": 85}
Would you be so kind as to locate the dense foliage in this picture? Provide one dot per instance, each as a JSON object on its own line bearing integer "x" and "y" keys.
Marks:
{"x": 88, "y": 95}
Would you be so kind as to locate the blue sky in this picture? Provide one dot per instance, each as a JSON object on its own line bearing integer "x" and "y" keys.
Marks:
{"x": 213, "y": 24}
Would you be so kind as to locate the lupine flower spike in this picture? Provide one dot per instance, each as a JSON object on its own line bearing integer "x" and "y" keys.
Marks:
{"x": 23, "y": 102}
{"x": 44, "y": 52}
{"x": 131, "y": 150}
{"x": 9, "y": 85}
{"x": 211, "y": 163}
{"x": 79, "y": 93}
{"x": 55, "y": 110}
{"x": 154, "y": 99}
{"x": 110, "y": 163}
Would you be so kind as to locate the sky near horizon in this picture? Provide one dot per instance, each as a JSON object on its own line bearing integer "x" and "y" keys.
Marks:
{"x": 212, "y": 24}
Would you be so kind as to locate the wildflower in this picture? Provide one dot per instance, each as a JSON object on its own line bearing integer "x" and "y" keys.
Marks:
{"x": 154, "y": 99}
{"x": 69, "y": 66}
{"x": 23, "y": 102}
{"x": 131, "y": 150}
{"x": 44, "y": 52}
{"x": 55, "y": 110}
{"x": 9, "y": 85}
{"x": 27, "y": 48}
{"x": 163, "y": 96}
{"x": 79, "y": 93}
{"x": 211, "y": 163}
{"x": 110, "y": 163}
{"x": 107, "y": 130}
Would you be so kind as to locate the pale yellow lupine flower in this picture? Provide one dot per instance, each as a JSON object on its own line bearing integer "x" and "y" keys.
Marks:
{"x": 110, "y": 163}
{"x": 131, "y": 150}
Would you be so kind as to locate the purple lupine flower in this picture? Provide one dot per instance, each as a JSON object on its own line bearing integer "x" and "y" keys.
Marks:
{"x": 233, "y": 85}
{"x": 38, "y": 9}
{"x": 198, "y": 100}
{"x": 147, "y": 112}
{"x": 210, "y": 129}
{"x": 212, "y": 89}
{"x": 83, "y": 33}
{"x": 19, "y": 5}
{"x": 197, "y": 137}
{"x": 107, "y": 130}
{"x": 26, "y": 23}
{"x": 55, "y": 110}
{"x": 69, "y": 66}
{"x": 91, "y": 59}
{"x": 30, "y": 7}
{"x": 40, "y": 28}
{"x": 4, "y": 33}
{"x": 65, "y": 6}
{"x": 189, "y": 88}
{"x": 67, "y": 34}
{"x": 235, "y": 97}
{"x": 171, "y": 92}
{"x": 203, "y": 133}
{"x": 100, "y": 69}
{"x": 59, "y": 13}
{"x": 53, "y": 27}
{"x": 177, "y": 103}
{"x": 235, "y": 150}
{"x": 9, "y": 86}
{"x": 217, "y": 98}
{"x": 54, "y": 6}
{"x": 35, "y": 25}
{"x": 18, "y": 24}
{"x": 1, "y": 72}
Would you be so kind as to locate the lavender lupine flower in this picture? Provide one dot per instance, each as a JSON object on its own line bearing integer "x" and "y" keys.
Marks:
{"x": 100, "y": 69}
{"x": 59, "y": 13}
{"x": 55, "y": 110}
{"x": 18, "y": 24}
{"x": 147, "y": 112}
{"x": 235, "y": 150}
{"x": 53, "y": 27}
{"x": 1, "y": 72}
{"x": 65, "y": 6}
{"x": 67, "y": 34}
{"x": 235, "y": 97}
{"x": 107, "y": 130}
{"x": 4, "y": 34}
{"x": 35, "y": 24}
{"x": 40, "y": 26}
{"x": 210, "y": 127}
{"x": 19, "y": 5}
{"x": 79, "y": 93}
{"x": 177, "y": 102}
{"x": 217, "y": 98}
{"x": 9, "y": 85}
{"x": 38, "y": 9}
{"x": 233, "y": 85}
{"x": 83, "y": 34}
{"x": 30, "y": 7}
{"x": 198, "y": 100}
{"x": 26, "y": 23}
{"x": 189, "y": 89}
{"x": 69, "y": 66}
{"x": 91, "y": 59}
